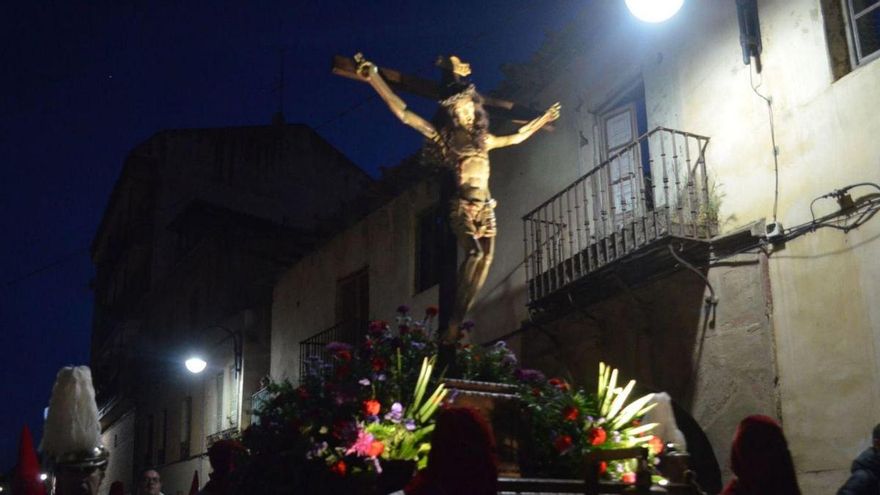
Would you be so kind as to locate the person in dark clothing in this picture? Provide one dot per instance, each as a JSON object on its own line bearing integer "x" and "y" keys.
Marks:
{"x": 225, "y": 456}
{"x": 865, "y": 477}
{"x": 462, "y": 459}
{"x": 760, "y": 459}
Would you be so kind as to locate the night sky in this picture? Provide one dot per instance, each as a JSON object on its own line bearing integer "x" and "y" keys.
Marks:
{"x": 83, "y": 84}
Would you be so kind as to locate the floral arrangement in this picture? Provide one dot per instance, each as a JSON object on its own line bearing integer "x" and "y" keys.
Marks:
{"x": 364, "y": 404}
{"x": 360, "y": 404}
{"x": 566, "y": 423}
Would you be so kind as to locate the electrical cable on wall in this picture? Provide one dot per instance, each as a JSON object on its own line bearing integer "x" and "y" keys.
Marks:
{"x": 772, "y": 141}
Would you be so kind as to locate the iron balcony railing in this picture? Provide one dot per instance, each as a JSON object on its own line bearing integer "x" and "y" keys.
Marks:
{"x": 654, "y": 187}
{"x": 313, "y": 349}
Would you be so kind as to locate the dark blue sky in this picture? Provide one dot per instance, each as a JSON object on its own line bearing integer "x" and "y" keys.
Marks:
{"x": 81, "y": 84}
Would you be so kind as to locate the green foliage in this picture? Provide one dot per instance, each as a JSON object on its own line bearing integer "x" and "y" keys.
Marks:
{"x": 374, "y": 401}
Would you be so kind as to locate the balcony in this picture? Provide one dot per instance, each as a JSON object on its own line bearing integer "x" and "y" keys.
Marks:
{"x": 314, "y": 347}
{"x": 621, "y": 221}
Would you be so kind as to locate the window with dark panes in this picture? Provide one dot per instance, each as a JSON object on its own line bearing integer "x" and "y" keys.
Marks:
{"x": 864, "y": 18}
{"x": 429, "y": 236}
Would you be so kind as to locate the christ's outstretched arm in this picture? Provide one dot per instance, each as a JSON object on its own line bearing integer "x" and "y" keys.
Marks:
{"x": 370, "y": 73}
{"x": 525, "y": 131}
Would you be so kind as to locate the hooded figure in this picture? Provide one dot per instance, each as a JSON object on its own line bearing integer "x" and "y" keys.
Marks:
{"x": 462, "y": 458}
{"x": 26, "y": 479}
{"x": 865, "y": 477}
{"x": 225, "y": 456}
{"x": 72, "y": 434}
{"x": 760, "y": 459}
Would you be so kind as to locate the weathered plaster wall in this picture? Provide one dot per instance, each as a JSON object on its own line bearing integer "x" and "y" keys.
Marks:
{"x": 798, "y": 338}
{"x": 118, "y": 439}
{"x": 827, "y": 325}
{"x": 718, "y": 365}
{"x": 305, "y": 296}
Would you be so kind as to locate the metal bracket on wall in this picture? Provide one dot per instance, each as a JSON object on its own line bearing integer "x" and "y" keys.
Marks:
{"x": 711, "y": 300}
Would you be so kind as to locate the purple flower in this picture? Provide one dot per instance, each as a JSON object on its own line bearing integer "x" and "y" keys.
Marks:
{"x": 529, "y": 375}
{"x": 409, "y": 424}
{"x": 467, "y": 325}
{"x": 335, "y": 347}
{"x": 396, "y": 413}
{"x": 403, "y": 309}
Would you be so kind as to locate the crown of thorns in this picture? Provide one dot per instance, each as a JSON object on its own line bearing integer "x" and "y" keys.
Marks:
{"x": 467, "y": 93}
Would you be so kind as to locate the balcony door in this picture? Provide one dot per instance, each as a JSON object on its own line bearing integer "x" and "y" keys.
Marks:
{"x": 626, "y": 159}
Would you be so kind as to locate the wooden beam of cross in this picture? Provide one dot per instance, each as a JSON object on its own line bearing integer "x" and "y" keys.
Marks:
{"x": 498, "y": 108}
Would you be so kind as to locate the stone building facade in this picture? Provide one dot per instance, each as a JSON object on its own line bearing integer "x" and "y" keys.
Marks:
{"x": 198, "y": 227}
{"x": 691, "y": 264}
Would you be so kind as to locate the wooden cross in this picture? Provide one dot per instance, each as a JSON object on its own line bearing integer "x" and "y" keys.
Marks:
{"x": 497, "y": 107}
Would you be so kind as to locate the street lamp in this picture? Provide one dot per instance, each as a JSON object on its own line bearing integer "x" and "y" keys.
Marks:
{"x": 654, "y": 10}
{"x": 196, "y": 365}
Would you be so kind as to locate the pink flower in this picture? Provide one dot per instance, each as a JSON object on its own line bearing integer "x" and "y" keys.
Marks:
{"x": 363, "y": 443}
{"x": 366, "y": 445}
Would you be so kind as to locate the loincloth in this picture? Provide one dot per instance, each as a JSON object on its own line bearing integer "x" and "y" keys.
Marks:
{"x": 473, "y": 218}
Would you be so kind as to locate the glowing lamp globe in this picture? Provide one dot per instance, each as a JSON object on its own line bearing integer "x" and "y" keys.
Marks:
{"x": 195, "y": 365}
{"x": 654, "y": 10}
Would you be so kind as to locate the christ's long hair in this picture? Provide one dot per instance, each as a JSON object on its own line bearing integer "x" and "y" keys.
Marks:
{"x": 446, "y": 124}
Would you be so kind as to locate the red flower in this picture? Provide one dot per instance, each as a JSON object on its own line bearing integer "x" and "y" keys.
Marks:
{"x": 570, "y": 413}
{"x": 655, "y": 445}
{"x": 378, "y": 364}
{"x": 372, "y": 407}
{"x": 377, "y": 327}
{"x": 560, "y": 384}
{"x": 339, "y": 468}
{"x": 302, "y": 393}
{"x": 536, "y": 391}
{"x": 432, "y": 311}
{"x": 562, "y": 443}
{"x": 376, "y": 449}
{"x": 603, "y": 467}
{"x": 597, "y": 436}
{"x": 344, "y": 355}
{"x": 629, "y": 478}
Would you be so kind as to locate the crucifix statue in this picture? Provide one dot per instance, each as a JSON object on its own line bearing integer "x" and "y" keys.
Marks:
{"x": 460, "y": 136}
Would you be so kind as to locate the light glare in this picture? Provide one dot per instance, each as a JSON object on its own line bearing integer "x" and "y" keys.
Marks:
{"x": 654, "y": 10}
{"x": 195, "y": 365}
{"x": 43, "y": 476}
